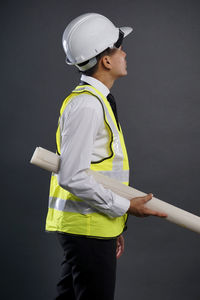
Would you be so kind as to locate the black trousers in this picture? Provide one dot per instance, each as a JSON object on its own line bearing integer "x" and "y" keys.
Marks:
{"x": 88, "y": 268}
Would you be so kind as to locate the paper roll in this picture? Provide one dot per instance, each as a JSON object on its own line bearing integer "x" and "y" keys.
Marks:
{"x": 50, "y": 161}
{"x": 45, "y": 159}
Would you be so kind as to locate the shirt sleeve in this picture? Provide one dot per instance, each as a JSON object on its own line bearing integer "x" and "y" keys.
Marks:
{"x": 80, "y": 123}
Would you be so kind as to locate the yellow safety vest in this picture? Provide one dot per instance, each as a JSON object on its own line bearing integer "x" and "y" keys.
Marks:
{"x": 66, "y": 212}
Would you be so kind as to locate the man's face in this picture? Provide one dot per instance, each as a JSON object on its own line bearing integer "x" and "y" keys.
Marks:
{"x": 118, "y": 63}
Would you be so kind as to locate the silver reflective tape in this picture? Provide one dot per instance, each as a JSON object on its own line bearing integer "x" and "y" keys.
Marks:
{"x": 122, "y": 176}
{"x": 80, "y": 207}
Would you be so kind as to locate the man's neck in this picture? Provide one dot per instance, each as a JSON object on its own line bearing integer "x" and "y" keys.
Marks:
{"x": 104, "y": 79}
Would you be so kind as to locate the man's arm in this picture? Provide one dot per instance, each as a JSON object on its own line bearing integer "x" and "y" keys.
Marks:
{"x": 79, "y": 127}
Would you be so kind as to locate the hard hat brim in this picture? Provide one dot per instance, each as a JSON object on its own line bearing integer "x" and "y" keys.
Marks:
{"x": 126, "y": 30}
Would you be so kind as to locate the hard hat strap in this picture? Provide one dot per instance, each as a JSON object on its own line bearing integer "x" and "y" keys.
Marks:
{"x": 120, "y": 39}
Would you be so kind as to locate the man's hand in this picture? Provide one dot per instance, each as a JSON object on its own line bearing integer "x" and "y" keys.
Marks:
{"x": 120, "y": 246}
{"x": 138, "y": 208}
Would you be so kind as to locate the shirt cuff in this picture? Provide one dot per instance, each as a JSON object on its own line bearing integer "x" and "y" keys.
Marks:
{"x": 120, "y": 206}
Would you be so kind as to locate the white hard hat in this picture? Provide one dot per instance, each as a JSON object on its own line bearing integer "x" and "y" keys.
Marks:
{"x": 88, "y": 35}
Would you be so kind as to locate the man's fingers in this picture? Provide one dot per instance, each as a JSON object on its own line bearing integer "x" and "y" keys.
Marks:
{"x": 155, "y": 213}
{"x": 139, "y": 209}
{"x": 147, "y": 197}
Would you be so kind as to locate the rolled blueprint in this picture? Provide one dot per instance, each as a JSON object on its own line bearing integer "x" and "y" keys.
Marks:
{"x": 45, "y": 159}
{"x": 50, "y": 161}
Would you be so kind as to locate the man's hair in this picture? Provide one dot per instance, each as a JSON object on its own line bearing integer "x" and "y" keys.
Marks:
{"x": 91, "y": 71}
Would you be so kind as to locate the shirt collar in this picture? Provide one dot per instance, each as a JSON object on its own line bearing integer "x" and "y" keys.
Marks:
{"x": 96, "y": 84}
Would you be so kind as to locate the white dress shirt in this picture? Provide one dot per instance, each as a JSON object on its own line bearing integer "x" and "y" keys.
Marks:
{"x": 84, "y": 138}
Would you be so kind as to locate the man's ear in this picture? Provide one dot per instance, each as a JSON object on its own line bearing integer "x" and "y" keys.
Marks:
{"x": 106, "y": 62}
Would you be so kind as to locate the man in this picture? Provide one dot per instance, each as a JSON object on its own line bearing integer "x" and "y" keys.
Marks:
{"x": 89, "y": 220}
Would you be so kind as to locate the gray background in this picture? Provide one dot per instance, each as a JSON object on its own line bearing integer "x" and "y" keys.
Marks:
{"x": 159, "y": 111}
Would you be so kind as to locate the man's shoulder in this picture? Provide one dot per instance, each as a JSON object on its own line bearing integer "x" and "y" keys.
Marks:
{"x": 84, "y": 100}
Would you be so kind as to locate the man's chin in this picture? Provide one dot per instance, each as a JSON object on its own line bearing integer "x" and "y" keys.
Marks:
{"x": 122, "y": 74}
{"x": 125, "y": 73}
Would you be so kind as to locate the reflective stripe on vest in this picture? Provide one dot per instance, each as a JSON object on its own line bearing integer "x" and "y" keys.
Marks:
{"x": 68, "y": 213}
